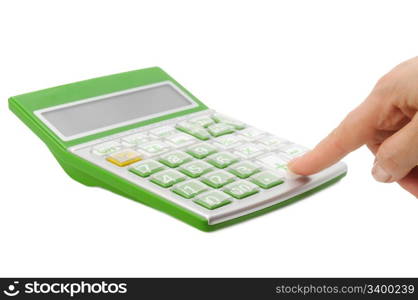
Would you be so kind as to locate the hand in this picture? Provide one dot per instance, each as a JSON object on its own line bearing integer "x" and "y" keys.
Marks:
{"x": 387, "y": 122}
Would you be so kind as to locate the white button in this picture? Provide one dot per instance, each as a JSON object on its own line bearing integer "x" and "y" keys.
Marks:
{"x": 279, "y": 164}
{"x": 251, "y": 133}
{"x": 153, "y": 148}
{"x": 135, "y": 139}
{"x": 164, "y": 131}
{"x": 273, "y": 142}
{"x": 250, "y": 150}
{"x": 106, "y": 148}
{"x": 181, "y": 139}
{"x": 294, "y": 151}
{"x": 228, "y": 141}
{"x": 274, "y": 161}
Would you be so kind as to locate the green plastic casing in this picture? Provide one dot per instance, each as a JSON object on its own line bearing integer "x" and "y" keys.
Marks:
{"x": 89, "y": 174}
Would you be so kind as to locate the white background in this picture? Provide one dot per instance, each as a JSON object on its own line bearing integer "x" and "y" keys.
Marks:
{"x": 294, "y": 68}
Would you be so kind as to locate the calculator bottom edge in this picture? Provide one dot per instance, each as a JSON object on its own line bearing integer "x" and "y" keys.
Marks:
{"x": 113, "y": 183}
{"x": 213, "y": 227}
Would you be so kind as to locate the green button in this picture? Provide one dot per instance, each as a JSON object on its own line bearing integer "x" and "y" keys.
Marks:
{"x": 175, "y": 159}
{"x": 222, "y": 159}
{"x": 241, "y": 189}
{"x": 219, "y": 129}
{"x": 196, "y": 168}
{"x": 204, "y": 121}
{"x": 234, "y": 123}
{"x": 189, "y": 189}
{"x": 195, "y": 130}
{"x": 146, "y": 168}
{"x": 267, "y": 179}
{"x": 244, "y": 169}
{"x": 213, "y": 199}
{"x": 168, "y": 178}
{"x": 218, "y": 179}
{"x": 201, "y": 150}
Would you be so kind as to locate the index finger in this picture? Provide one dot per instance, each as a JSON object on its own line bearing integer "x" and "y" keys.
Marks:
{"x": 353, "y": 132}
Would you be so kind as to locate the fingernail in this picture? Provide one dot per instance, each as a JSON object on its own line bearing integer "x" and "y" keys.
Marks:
{"x": 380, "y": 174}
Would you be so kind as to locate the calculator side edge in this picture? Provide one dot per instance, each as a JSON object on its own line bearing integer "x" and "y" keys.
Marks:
{"x": 82, "y": 170}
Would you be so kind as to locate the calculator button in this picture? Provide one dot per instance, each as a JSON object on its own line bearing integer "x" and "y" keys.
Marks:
{"x": 238, "y": 125}
{"x": 251, "y": 133}
{"x": 106, "y": 148}
{"x": 196, "y": 168}
{"x": 180, "y": 139}
{"x": 203, "y": 121}
{"x": 189, "y": 189}
{"x": 135, "y": 139}
{"x": 175, "y": 159}
{"x": 241, "y": 189}
{"x": 201, "y": 150}
{"x": 228, "y": 141}
{"x": 294, "y": 151}
{"x": 218, "y": 179}
{"x": 222, "y": 159}
{"x": 250, "y": 150}
{"x": 167, "y": 178}
{"x": 194, "y": 130}
{"x": 219, "y": 129}
{"x": 124, "y": 157}
{"x": 213, "y": 199}
{"x": 273, "y": 142}
{"x": 244, "y": 169}
{"x": 154, "y": 148}
{"x": 274, "y": 161}
{"x": 267, "y": 179}
{"x": 146, "y": 168}
{"x": 163, "y": 131}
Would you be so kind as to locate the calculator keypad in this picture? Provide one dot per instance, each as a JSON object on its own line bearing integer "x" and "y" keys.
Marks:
{"x": 207, "y": 161}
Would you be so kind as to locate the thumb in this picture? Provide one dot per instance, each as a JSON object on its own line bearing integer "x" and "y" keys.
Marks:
{"x": 398, "y": 154}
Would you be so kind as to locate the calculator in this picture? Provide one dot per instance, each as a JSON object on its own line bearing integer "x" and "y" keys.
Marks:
{"x": 142, "y": 135}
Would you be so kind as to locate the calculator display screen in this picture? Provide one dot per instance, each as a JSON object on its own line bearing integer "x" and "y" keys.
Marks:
{"x": 122, "y": 108}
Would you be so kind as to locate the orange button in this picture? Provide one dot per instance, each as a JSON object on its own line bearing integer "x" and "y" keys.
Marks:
{"x": 124, "y": 158}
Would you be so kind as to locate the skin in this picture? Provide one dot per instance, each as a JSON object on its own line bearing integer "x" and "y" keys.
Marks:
{"x": 386, "y": 122}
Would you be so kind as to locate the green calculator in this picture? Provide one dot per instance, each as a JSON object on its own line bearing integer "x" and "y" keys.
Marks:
{"x": 142, "y": 135}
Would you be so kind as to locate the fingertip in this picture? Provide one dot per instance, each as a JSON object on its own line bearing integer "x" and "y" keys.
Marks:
{"x": 298, "y": 167}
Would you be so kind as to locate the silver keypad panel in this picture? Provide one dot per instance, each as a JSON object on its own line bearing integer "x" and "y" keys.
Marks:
{"x": 215, "y": 166}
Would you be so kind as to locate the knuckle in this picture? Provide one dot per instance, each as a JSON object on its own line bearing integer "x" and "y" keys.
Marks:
{"x": 385, "y": 85}
{"x": 387, "y": 156}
